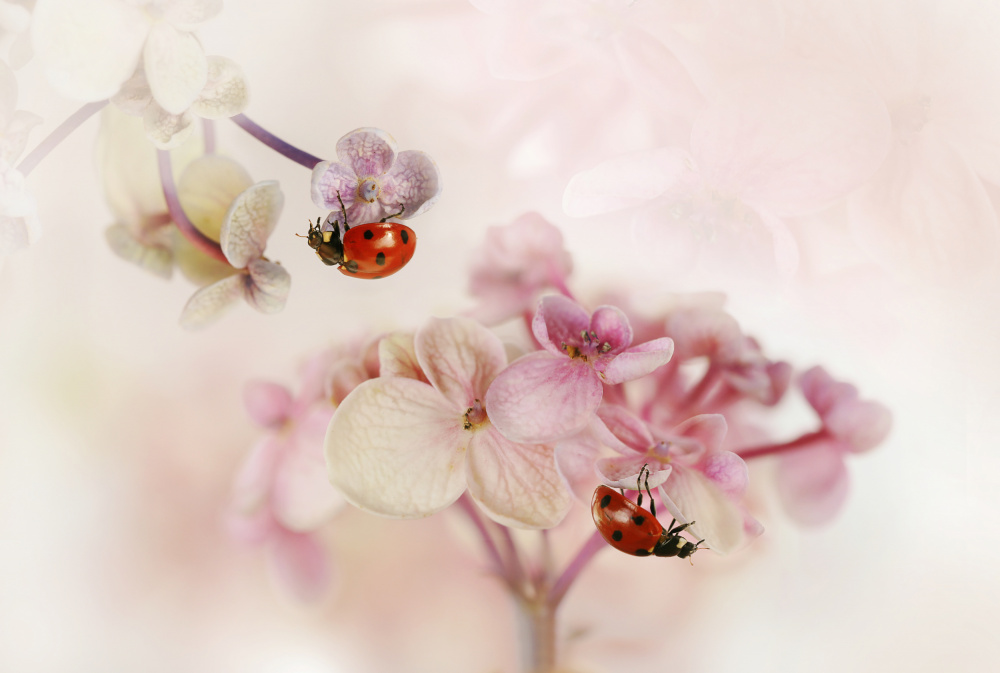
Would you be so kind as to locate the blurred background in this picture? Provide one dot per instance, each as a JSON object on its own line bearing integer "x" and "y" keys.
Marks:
{"x": 120, "y": 432}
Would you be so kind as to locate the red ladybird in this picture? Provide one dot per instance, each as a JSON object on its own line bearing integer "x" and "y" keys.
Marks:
{"x": 629, "y": 528}
{"x": 373, "y": 250}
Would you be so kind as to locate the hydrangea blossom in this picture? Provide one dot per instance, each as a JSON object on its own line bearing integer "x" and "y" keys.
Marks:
{"x": 375, "y": 181}
{"x": 547, "y": 395}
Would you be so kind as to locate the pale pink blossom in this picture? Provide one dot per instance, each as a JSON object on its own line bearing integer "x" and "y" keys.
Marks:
{"x": 404, "y": 447}
{"x": 374, "y": 180}
{"x": 860, "y": 425}
{"x": 515, "y": 264}
{"x": 553, "y": 393}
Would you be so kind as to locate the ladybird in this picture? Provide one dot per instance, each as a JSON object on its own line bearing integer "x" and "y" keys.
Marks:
{"x": 373, "y": 250}
{"x": 630, "y": 528}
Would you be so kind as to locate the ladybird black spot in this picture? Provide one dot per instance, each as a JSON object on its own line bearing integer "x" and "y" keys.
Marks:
{"x": 616, "y": 536}
{"x": 638, "y": 519}
{"x": 405, "y": 236}
{"x": 369, "y": 234}
{"x": 605, "y": 501}
{"x": 380, "y": 258}
{"x": 642, "y": 552}
{"x": 376, "y": 277}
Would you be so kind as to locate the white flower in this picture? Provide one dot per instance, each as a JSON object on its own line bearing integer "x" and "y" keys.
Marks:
{"x": 19, "y": 225}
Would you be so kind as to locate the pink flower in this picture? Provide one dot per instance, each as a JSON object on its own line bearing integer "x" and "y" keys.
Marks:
{"x": 515, "y": 264}
{"x": 551, "y": 394}
{"x": 408, "y": 445}
{"x": 374, "y": 181}
{"x": 697, "y": 479}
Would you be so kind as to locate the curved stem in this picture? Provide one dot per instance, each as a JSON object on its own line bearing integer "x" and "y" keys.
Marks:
{"x": 595, "y": 544}
{"x": 208, "y": 135}
{"x": 60, "y": 133}
{"x": 275, "y": 143}
{"x": 771, "y": 449}
{"x": 190, "y": 232}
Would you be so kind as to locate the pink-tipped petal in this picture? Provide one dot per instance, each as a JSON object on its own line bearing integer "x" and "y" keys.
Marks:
{"x": 624, "y": 182}
{"x": 369, "y": 152}
{"x": 638, "y": 361}
{"x": 268, "y": 404}
{"x": 542, "y": 398}
{"x": 300, "y": 564}
{"x": 559, "y": 320}
{"x": 860, "y": 423}
{"x": 397, "y": 356}
{"x": 412, "y": 183}
{"x": 516, "y": 484}
{"x": 813, "y": 483}
{"x": 396, "y": 447}
{"x": 716, "y": 518}
{"x": 460, "y": 358}
{"x": 729, "y": 473}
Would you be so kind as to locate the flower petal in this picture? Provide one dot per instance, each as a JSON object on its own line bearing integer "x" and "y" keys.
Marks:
{"x": 225, "y": 93}
{"x": 397, "y": 356}
{"x": 252, "y": 217}
{"x": 460, "y": 358}
{"x": 252, "y": 484}
{"x": 638, "y": 361}
{"x": 190, "y": 12}
{"x": 165, "y": 130}
{"x": 707, "y": 429}
{"x": 175, "y": 66}
{"x": 624, "y": 182}
{"x": 369, "y": 152}
{"x": 413, "y": 182}
{"x": 267, "y": 403}
{"x": 330, "y": 178}
{"x": 210, "y": 302}
{"x": 611, "y": 326}
{"x": 541, "y": 397}
{"x": 862, "y": 424}
{"x": 268, "y": 288}
{"x": 813, "y": 483}
{"x": 157, "y": 259}
{"x": 516, "y": 484}
{"x": 715, "y": 517}
{"x": 396, "y": 447}
{"x": 207, "y": 189}
{"x": 729, "y": 472}
{"x": 559, "y": 320}
{"x": 576, "y": 459}
{"x": 624, "y": 471}
{"x": 627, "y": 428}
{"x": 303, "y": 498}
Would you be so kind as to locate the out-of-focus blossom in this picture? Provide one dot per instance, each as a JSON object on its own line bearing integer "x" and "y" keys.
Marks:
{"x": 89, "y": 48}
{"x": 374, "y": 181}
{"x": 243, "y": 225}
{"x": 15, "y": 20}
{"x": 19, "y": 225}
{"x": 224, "y": 95}
{"x": 700, "y": 480}
{"x": 781, "y": 140}
{"x": 517, "y": 262}
{"x": 547, "y": 395}
{"x": 405, "y": 447}
{"x": 860, "y": 425}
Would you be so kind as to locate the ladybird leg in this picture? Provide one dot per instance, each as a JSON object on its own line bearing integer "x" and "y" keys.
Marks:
{"x": 387, "y": 217}
{"x": 652, "y": 503}
{"x": 638, "y": 483}
{"x": 343, "y": 211}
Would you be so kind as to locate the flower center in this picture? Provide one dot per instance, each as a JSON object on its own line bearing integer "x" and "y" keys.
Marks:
{"x": 368, "y": 189}
{"x": 475, "y": 416}
{"x": 590, "y": 346}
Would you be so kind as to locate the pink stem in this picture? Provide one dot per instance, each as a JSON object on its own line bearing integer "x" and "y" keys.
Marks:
{"x": 60, "y": 133}
{"x": 595, "y": 544}
{"x": 769, "y": 449}
{"x": 465, "y": 502}
{"x": 190, "y": 232}
{"x": 288, "y": 150}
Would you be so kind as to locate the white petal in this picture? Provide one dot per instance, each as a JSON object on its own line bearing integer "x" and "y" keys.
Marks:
{"x": 176, "y": 67}
{"x": 716, "y": 518}
{"x": 207, "y": 189}
{"x": 225, "y": 94}
{"x": 188, "y": 13}
{"x": 396, "y": 447}
{"x": 157, "y": 259}
{"x": 134, "y": 95}
{"x": 460, "y": 358}
{"x": 625, "y": 181}
{"x": 210, "y": 302}
{"x": 166, "y": 130}
{"x": 252, "y": 217}
{"x": 269, "y": 285}
{"x": 397, "y": 356}
{"x": 88, "y": 47}
{"x": 516, "y": 484}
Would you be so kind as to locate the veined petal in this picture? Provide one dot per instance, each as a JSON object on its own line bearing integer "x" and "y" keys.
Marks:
{"x": 396, "y": 447}
{"x": 225, "y": 93}
{"x": 542, "y": 397}
{"x": 460, "y": 358}
{"x": 210, "y": 302}
{"x": 166, "y": 130}
{"x": 638, "y": 361}
{"x": 267, "y": 289}
{"x": 625, "y": 181}
{"x": 624, "y": 471}
{"x": 370, "y": 152}
{"x": 716, "y": 518}
{"x": 207, "y": 189}
{"x": 134, "y": 94}
{"x": 516, "y": 484}
{"x": 729, "y": 472}
{"x": 252, "y": 217}
{"x": 625, "y": 427}
{"x": 397, "y": 356}
{"x": 267, "y": 403}
{"x": 558, "y": 320}
{"x": 413, "y": 182}
{"x": 175, "y": 66}
{"x": 88, "y": 47}
{"x": 330, "y": 178}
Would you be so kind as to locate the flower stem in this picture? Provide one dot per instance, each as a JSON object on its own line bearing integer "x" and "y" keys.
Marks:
{"x": 465, "y": 502}
{"x": 60, "y": 133}
{"x": 538, "y": 634}
{"x": 802, "y": 442}
{"x": 208, "y": 135}
{"x": 190, "y": 232}
{"x": 275, "y": 143}
{"x": 593, "y": 545}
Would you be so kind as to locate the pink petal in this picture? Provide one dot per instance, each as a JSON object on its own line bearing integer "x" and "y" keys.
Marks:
{"x": 715, "y": 517}
{"x": 268, "y": 404}
{"x": 611, "y": 326}
{"x": 576, "y": 458}
{"x": 823, "y": 392}
{"x": 541, "y": 398}
{"x": 397, "y": 356}
{"x": 559, "y": 320}
{"x": 729, "y": 473}
{"x": 860, "y": 423}
{"x": 813, "y": 483}
{"x": 626, "y": 427}
{"x": 625, "y": 182}
{"x": 369, "y": 152}
{"x": 413, "y": 182}
{"x": 460, "y": 358}
{"x": 330, "y": 178}
{"x": 303, "y": 498}
{"x": 516, "y": 484}
{"x": 252, "y": 484}
{"x": 707, "y": 429}
{"x": 638, "y": 361}
{"x": 301, "y": 565}
{"x": 396, "y": 447}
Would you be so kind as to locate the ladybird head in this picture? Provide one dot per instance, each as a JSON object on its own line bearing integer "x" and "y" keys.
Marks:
{"x": 327, "y": 244}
